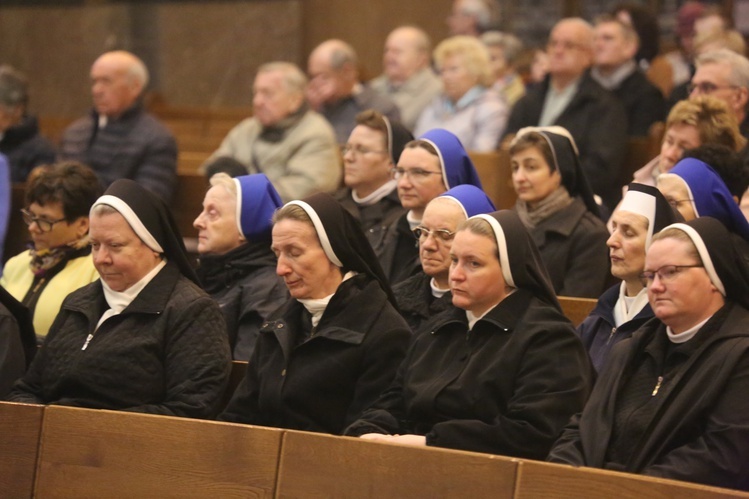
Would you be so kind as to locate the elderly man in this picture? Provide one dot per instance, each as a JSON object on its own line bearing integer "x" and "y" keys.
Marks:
{"x": 369, "y": 156}
{"x": 20, "y": 141}
{"x": 291, "y": 144}
{"x": 119, "y": 139}
{"x": 615, "y": 68}
{"x": 569, "y": 97}
{"x": 724, "y": 74}
{"x": 408, "y": 78}
{"x": 335, "y": 91}
{"x": 473, "y": 17}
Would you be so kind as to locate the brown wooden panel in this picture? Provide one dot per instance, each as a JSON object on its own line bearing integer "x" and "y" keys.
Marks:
{"x": 496, "y": 177}
{"x": 18, "y": 235}
{"x": 314, "y": 465}
{"x": 238, "y": 372}
{"x": 188, "y": 201}
{"x": 91, "y": 453}
{"x": 20, "y": 428}
{"x": 537, "y": 480}
{"x": 576, "y": 309}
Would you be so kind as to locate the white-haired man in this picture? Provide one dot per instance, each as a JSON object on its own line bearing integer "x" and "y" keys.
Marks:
{"x": 119, "y": 139}
{"x": 293, "y": 145}
{"x": 473, "y": 17}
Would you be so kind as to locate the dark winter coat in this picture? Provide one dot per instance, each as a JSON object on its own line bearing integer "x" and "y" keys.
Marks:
{"x": 697, "y": 428}
{"x": 245, "y": 285}
{"x": 322, "y": 379}
{"x": 134, "y": 146}
{"x": 643, "y": 103}
{"x": 572, "y": 243}
{"x": 598, "y": 123}
{"x": 398, "y": 251}
{"x": 598, "y": 333}
{"x": 506, "y": 387}
{"x": 376, "y": 218}
{"x": 416, "y": 303}
{"x": 166, "y": 353}
{"x": 25, "y": 148}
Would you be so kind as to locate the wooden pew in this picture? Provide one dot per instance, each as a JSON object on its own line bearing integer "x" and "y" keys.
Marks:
{"x": 188, "y": 201}
{"x": 96, "y": 453}
{"x": 20, "y": 429}
{"x": 537, "y": 480}
{"x": 576, "y": 309}
{"x": 496, "y": 177}
{"x": 238, "y": 372}
{"x": 314, "y": 465}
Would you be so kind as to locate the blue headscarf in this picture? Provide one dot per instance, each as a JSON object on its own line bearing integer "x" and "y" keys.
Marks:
{"x": 457, "y": 167}
{"x": 710, "y": 196}
{"x": 471, "y": 199}
{"x": 257, "y": 200}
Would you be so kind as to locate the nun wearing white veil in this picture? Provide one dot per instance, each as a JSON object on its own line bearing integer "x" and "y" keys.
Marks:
{"x": 502, "y": 370}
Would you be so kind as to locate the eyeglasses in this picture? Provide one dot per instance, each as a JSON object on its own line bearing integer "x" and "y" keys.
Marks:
{"x": 359, "y": 149}
{"x": 676, "y": 202}
{"x": 422, "y": 232}
{"x": 44, "y": 225}
{"x": 415, "y": 174}
{"x": 707, "y": 88}
{"x": 564, "y": 44}
{"x": 667, "y": 273}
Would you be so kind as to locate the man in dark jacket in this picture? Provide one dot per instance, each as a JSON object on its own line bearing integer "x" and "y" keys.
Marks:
{"x": 119, "y": 139}
{"x": 570, "y": 98}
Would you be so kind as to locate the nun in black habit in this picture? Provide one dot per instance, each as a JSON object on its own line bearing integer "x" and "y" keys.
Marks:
{"x": 502, "y": 370}
{"x": 328, "y": 353}
{"x": 145, "y": 337}
{"x": 672, "y": 401}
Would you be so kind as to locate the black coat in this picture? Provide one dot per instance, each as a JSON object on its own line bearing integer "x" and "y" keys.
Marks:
{"x": 506, "y": 387}
{"x": 598, "y": 333}
{"x": 698, "y": 429}
{"x": 597, "y": 121}
{"x": 25, "y": 148}
{"x": 245, "y": 285}
{"x": 643, "y": 103}
{"x": 416, "y": 303}
{"x": 398, "y": 251}
{"x": 166, "y": 353}
{"x": 572, "y": 243}
{"x": 322, "y": 380}
{"x": 376, "y": 218}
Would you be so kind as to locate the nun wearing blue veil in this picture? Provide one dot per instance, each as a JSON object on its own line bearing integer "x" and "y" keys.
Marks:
{"x": 427, "y": 167}
{"x": 427, "y": 293}
{"x": 237, "y": 267}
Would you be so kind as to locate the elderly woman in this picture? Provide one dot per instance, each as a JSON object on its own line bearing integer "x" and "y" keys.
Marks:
{"x": 237, "y": 267}
{"x": 671, "y": 402}
{"x": 483, "y": 380}
{"x": 328, "y": 353}
{"x": 145, "y": 338}
{"x": 467, "y": 107}
{"x": 557, "y": 207}
{"x": 623, "y": 308}
{"x": 58, "y": 201}
{"x": 427, "y": 293}
{"x": 504, "y": 50}
{"x": 693, "y": 188}
{"x": 427, "y": 167}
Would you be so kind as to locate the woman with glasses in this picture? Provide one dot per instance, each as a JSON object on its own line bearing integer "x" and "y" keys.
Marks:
{"x": 557, "y": 207}
{"x": 59, "y": 261}
{"x": 427, "y": 167}
{"x": 427, "y": 293}
{"x": 501, "y": 370}
{"x": 672, "y": 400}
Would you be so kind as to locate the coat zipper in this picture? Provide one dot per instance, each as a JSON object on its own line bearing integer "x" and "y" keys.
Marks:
{"x": 657, "y": 386}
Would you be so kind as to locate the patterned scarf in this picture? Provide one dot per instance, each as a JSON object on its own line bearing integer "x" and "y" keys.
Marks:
{"x": 45, "y": 259}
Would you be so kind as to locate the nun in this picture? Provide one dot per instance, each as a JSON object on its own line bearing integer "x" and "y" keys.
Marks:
{"x": 557, "y": 207}
{"x": 624, "y": 307}
{"x": 427, "y": 293}
{"x": 696, "y": 190}
{"x": 334, "y": 346}
{"x": 502, "y": 370}
{"x": 237, "y": 267}
{"x": 671, "y": 401}
{"x": 143, "y": 338}
{"x": 427, "y": 167}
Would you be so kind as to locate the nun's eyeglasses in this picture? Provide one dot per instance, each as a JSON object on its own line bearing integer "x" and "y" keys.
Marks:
{"x": 676, "y": 202}
{"x": 360, "y": 150}
{"x": 667, "y": 273}
{"x": 44, "y": 225}
{"x": 415, "y": 174}
{"x": 422, "y": 232}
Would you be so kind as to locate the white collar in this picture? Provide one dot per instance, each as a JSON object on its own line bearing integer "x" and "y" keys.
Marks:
{"x": 120, "y": 300}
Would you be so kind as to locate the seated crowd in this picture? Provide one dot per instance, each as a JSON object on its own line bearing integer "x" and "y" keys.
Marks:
{"x": 375, "y": 290}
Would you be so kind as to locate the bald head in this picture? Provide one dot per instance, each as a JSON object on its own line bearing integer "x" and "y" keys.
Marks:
{"x": 406, "y": 52}
{"x": 570, "y": 49}
{"x": 118, "y": 79}
{"x": 332, "y": 69}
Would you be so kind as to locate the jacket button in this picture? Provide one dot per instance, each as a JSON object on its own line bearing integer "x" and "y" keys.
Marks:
{"x": 283, "y": 373}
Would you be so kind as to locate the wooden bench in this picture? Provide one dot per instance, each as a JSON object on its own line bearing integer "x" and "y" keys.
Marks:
{"x": 96, "y": 453}
{"x": 496, "y": 177}
{"x": 314, "y": 465}
{"x": 576, "y": 309}
{"x": 537, "y": 480}
{"x": 187, "y": 202}
{"x": 20, "y": 430}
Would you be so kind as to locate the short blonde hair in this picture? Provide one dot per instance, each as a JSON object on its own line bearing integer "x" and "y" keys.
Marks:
{"x": 715, "y": 123}
{"x": 474, "y": 54}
